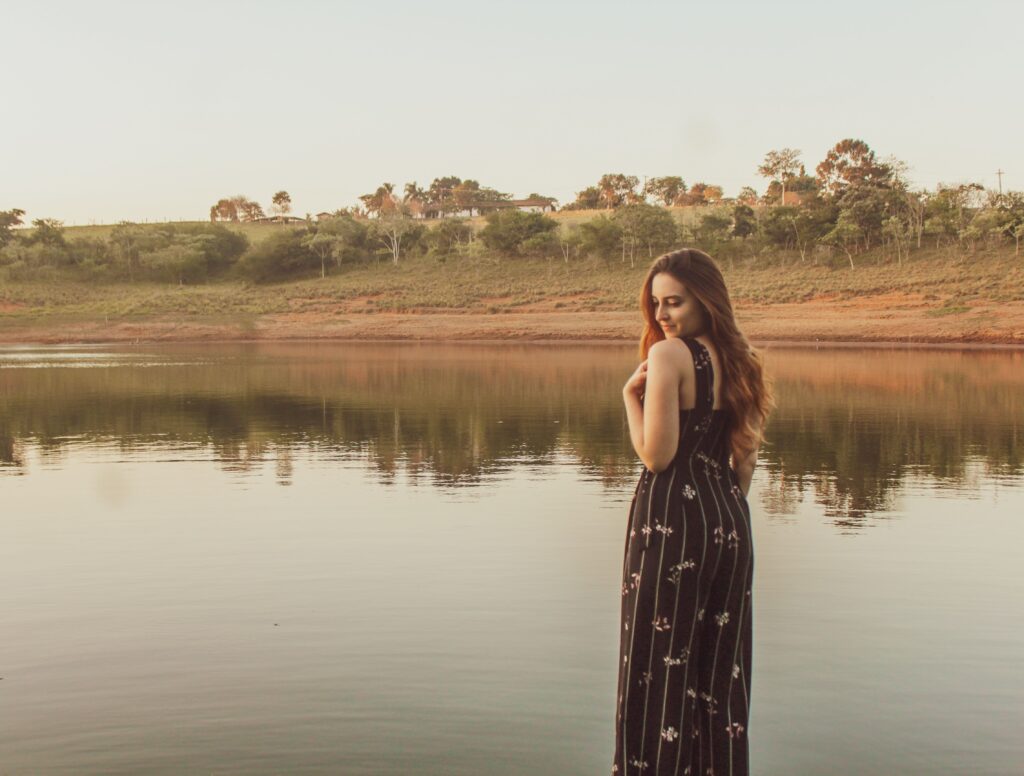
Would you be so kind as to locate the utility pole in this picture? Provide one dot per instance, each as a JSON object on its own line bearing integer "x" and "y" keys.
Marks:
{"x": 999, "y": 173}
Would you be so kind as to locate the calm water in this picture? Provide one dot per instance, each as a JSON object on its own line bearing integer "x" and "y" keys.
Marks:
{"x": 404, "y": 559}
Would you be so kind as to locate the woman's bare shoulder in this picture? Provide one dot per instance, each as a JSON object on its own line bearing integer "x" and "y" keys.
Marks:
{"x": 671, "y": 351}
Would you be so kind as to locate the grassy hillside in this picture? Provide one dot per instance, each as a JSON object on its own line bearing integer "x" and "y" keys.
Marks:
{"x": 946, "y": 282}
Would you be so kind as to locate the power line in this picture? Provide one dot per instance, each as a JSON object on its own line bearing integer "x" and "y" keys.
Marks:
{"x": 999, "y": 173}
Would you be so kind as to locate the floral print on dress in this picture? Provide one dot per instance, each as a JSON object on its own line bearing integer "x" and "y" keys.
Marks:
{"x": 675, "y": 573}
{"x": 735, "y": 730}
{"x": 688, "y": 492}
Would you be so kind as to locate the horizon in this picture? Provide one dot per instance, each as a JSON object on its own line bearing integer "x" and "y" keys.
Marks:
{"x": 153, "y": 115}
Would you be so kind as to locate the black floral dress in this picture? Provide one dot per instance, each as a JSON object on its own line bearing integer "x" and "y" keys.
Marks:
{"x": 685, "y": 654}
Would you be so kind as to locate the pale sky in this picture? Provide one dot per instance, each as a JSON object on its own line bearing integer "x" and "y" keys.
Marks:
{"x": 130, "y": 111}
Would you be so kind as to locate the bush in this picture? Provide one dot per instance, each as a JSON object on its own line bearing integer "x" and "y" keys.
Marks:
{"x": 508, "y": 230}
{"x": 277, "y": 257}
{"x": 448, "y": 236}
{"x": 601, "y": 237}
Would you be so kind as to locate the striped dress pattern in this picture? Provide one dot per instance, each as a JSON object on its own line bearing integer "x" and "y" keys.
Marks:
{"x": 685, "y": 636}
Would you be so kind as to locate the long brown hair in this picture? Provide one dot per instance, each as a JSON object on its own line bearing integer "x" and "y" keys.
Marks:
{"x": 746, "y": 394}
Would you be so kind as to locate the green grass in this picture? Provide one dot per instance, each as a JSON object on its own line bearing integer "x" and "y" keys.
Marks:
{"x": 946, "y": 284}
{"x": 955, "y": 309}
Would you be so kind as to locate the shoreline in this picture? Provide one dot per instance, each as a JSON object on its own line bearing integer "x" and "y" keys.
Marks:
{"x": 801, "y": 325}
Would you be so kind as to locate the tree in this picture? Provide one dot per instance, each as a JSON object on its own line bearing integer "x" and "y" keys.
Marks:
{"x": 440, "y": 193}
{"x": 617, "y": 189}
{"x": 224, "y": 210}
{"x": 49, "y": 232}
{"x": 898, "y": 233}
{"x": 282, "y": 203}
{"x": 414, "y": 193}
{"x": 8, "y": 220}
{"x": 415, "y": 197}
{"x": 744, "y": 221}
{"x": 551, "y": 201}
{"x": 279, "y": 255}
{"x": 779, "y": 166}
{"x": 236, "y": 208}
{"x": 449, "y": 236}
{"x": 508, "y": 231}
{"x": 851, "y": 164}
{"x": 712, "y": 229}
{"x": 645, "y": 225}
{"x": 391, "y": 228}
{"x": 600, "y": 237}
{"x": 867, "y": 207}
{"x": 383, "y": 200}
{"x": 665, "y": 189}
{"x": 323, "y": 245}
{"x": 845, "y": 235}
{"x": 180, "y": 260}
{"x": 949, "y": 211}
{"x": 747, "y": 196}
{"x": 700, "y": 194}
{"x": 588, "y": 199}
{"x": 1011, "y": 205}
{"x": 570, "y": 240}
{"x": 249, "y": 209}
{"x": 125, "y": 239}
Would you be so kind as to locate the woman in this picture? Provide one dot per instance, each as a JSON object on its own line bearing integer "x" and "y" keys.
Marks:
{"x": 696, "y": 406}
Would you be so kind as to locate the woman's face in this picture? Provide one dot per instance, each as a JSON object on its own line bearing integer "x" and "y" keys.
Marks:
{"x": 676, "y": 310}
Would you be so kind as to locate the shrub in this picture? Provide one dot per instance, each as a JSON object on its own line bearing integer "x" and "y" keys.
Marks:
{"x": 508, "y": 230}
{"x": 278, "y": 256}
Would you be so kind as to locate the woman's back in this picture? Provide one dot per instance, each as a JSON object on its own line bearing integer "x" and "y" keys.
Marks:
{"x": 703, "y": 430}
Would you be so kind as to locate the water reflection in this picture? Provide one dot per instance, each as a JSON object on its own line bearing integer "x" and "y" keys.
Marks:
{"x": 852, "y": 425}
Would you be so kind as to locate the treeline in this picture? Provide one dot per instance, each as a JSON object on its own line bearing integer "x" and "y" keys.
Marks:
{"x": 195, "y": 253}
{"x": 854, "y": 203}
{"x": 173, "y": 253}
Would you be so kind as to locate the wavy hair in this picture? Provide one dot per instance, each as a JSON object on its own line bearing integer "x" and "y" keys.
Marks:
{"x": 746, "y": 394}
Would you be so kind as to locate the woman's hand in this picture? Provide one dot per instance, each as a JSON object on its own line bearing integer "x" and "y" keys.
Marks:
{"x": 637, "y": 382}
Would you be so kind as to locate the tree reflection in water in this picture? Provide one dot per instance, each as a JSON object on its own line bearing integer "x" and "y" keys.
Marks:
{"x": 852, "y": 426}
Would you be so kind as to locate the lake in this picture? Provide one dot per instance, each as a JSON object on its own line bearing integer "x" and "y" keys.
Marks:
{"x": 404, "y": 558}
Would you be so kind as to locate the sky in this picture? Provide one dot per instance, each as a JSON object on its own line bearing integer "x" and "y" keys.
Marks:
{"x": 153, "y": 111}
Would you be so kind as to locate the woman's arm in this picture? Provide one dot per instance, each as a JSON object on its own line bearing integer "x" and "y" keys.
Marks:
{"x": 654, "y": 421}
{"x": 745, "y": 470}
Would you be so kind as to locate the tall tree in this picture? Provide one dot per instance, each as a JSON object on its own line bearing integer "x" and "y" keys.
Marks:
{"x": 282, "y": 201}
{"x": 382, "y": 201}
{"x": 617, "y": 189}
{"x": 225, "y": 209}
{"x": 439, "y": 194}
{"x": 8, "y": 220}
{"x": 392, "y": 227}
{"x": 665, "y": 189}
{"x": 249, "y": 209}
{"x": 850, "y": 164}
{"x": 779, "y": 166}
{"x": 588, "y": 199}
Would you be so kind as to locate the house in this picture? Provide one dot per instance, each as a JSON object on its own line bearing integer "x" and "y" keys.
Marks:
{"x": 279, "y": 220}
{"x": 528, "y": 205}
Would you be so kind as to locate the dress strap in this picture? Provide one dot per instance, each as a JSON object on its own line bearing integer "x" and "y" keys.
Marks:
{"x": 705, "y": 374}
